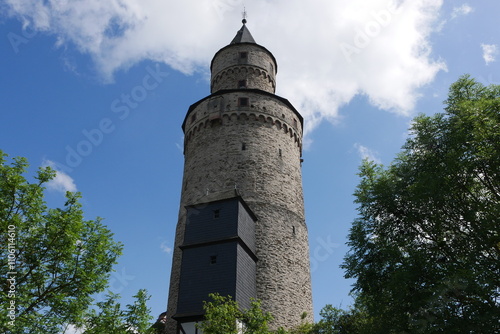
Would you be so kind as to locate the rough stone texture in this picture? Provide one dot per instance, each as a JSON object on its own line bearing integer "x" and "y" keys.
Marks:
{"x": 258, "y": 68}
{"x": 253, "y": 151}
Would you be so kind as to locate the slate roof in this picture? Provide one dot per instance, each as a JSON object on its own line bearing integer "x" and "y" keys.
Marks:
{"x": 243, "y": 35}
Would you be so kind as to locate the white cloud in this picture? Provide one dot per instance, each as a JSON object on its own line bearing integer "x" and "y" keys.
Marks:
{"x": 165, "y": 248}
{"x": 366, "y": 153}
{"x": 62, "y": 182}
{"x": 179, "y": 144}
{"x": 328, "y": 51}
{"x": 463, "y": 10}
{"x": 490, "y": 51}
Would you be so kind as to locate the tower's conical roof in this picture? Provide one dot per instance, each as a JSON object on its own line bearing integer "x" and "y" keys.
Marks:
{"x": 243, "y": 35}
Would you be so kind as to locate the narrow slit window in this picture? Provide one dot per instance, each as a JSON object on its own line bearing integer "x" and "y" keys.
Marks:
{"x": 280, "y": 153}
{"x": 216, "y": 213}
{"x": 243, "y": 146}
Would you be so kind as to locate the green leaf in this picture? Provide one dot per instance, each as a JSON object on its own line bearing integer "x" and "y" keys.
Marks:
{"x": 424, "y": 248}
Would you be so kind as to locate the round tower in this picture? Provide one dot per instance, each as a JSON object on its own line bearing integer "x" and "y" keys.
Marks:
{"x": 242, "y": 145}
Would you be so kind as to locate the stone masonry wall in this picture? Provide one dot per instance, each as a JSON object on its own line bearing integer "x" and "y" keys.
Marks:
{"x": 254, "y": 150}
{"x": 258, "y": 67}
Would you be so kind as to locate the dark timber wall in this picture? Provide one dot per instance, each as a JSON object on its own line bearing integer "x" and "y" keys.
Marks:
{"x": 218, "y": 255}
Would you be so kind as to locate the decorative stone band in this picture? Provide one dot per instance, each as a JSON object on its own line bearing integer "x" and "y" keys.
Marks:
{"x": 255, "y": 77}
{"x": 242, "y": 104}
{"x": 247, "y": 116}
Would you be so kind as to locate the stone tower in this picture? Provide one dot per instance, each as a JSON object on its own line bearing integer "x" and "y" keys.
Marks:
{"x": 241, "y": 228}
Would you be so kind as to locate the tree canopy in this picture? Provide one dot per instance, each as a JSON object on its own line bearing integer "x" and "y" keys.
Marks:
{"x": 52, "y": 260}
{"x": 223, "y": 315}
{"x": 425, "y": 247}
{"x": 110, "y": 318}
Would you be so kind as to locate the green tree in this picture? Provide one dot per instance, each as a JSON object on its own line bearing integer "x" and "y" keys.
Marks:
{"x": 138, "y": 315}
{"x": 222, "y": 315}
{"x": 425, "y": 248}
{"x": 255, "y": 320}
{"x": 52, "y": 259}
{"x": 107, "y": 319}
{"x": 111, "y": 319}
{"x": 338, "y": 321}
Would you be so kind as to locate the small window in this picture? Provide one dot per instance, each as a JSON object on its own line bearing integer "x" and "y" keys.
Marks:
{"x": 243, "y": 102}
{"x": 294, "y": 122}
{"x": 216, "y": 213}
{"x": 193, "y": 117}
{"x": 279, "y": 153}
{"x": 243, "y": 146}
{"x": 243, "y": 55}
{"x": 293, "y": 230}
{"x": 213, "y": 259}
{"x": 242, "y": 84}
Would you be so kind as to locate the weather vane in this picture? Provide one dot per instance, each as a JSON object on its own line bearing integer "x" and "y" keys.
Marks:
{"x": 244, "y": 14}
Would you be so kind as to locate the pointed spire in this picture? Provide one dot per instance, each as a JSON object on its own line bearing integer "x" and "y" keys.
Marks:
{"x": 243, "y": 35}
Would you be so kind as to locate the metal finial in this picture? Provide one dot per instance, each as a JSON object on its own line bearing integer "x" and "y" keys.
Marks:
{"x": 244, "y": 14}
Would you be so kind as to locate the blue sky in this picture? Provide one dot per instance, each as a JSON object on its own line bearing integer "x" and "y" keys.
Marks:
{"x": 99, "y": 90}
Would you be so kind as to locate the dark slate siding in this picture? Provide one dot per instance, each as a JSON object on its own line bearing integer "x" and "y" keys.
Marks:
{"x": 230, "y": 237}
{"x": 203, "y": 227}
{"x": 246, "y": 278}
{"x": 199, "y": 277}
{"x": 246, "y": 227}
